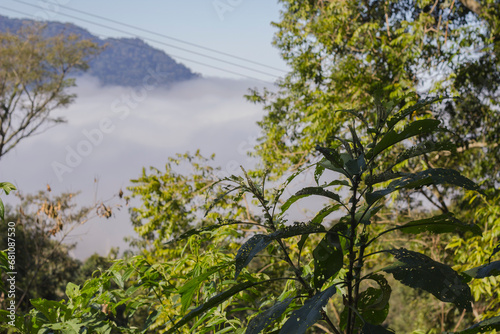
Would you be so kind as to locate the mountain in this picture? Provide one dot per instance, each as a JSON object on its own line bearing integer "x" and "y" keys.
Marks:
{"x": 124, "y": 61}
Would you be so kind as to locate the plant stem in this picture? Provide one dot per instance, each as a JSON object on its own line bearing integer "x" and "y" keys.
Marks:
{"x": 352, "y": 258}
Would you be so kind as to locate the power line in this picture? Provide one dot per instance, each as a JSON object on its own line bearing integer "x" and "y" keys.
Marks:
{"x": 155, "y": 41}
{"x": 168, "y": 37}
{"x": 170, "y": 54}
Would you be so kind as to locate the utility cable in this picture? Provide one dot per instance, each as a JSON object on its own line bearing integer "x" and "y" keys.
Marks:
{"x": 155, "y": 41}
{"x": 172, "y": 55}
{"x": 167, "y": 37}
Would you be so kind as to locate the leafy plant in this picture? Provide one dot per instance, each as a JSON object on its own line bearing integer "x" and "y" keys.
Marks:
{"x": 338, "y": 260}
{"x": 7, "y": 187}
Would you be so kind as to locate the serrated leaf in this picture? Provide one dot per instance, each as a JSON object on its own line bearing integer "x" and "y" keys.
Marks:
{"x": 188, "y": 290}
{"x": 420, "y": 127}
{"x": 486, "y": 270}
{"x": 263, "y": 320}
{"x": 211, "y": 303}
{"x": 444, "y": 223}
{"x": 483, "y": 326}
{"x": 328, "y": 256}
{"x": 424, "y": 178}
{"x": 419, "y": 271}
{"x": 303, "y": 318}
{"x": 7, "y": 187}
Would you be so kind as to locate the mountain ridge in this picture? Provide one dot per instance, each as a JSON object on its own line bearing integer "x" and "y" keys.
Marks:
{"x": 128, "y": 62}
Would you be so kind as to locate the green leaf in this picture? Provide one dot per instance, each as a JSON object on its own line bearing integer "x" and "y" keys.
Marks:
{"x": 328, "y": 165}
{"x": 213, "y": 302}
{"x": 332, "y": 155}
{"x": 409, "y": 111}
{"x": 422, "y": 148}
{"x": 7, "y": 187}
{"x": 420, "y": 127}
{"x": 318, "y": 219}
{"x": 328, "y": 255}
{"x": 2, "y": 210}
{"x": 308, "y": 191}
{"x": 356, "y": 166}
{"x": 151, "y": 319}
{"x": 483, "y": 326}
{"x": 260, "y": 241}
{"x": 486, "y": 270}
{"x": 263, "y": 320}
{"x": 303, "y": 318}
{"x": 444, "y": 223}
{"x": 248, "y": 250}
{"x": 419, "y": 271}
{"x": 424, "y": 178}
{"x": 382, "y": 177}
{"x": 49, "y": 308}
{"x": 72, "y": 290}
{"x": 188, "y": 290}
{"x": 363, "y": 215}
{"x": 72, "y": 326}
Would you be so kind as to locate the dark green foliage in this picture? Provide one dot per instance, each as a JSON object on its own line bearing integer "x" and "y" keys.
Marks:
{"x": 328, "y": 255}
{"x": 264, "y": 319}
{"x": 419, "y": 271}
{"x": 444, "y": 223}
{"x": 303, "y": 318}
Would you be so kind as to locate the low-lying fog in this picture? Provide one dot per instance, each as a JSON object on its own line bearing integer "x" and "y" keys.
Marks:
{"x": 112, "y": 132}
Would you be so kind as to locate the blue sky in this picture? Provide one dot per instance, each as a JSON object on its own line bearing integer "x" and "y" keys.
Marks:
{"x": 238, "y": 27}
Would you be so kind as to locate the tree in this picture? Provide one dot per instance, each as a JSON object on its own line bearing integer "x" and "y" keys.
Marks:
{"x": 35, "y": 74}
{"x": 342, "y": 52}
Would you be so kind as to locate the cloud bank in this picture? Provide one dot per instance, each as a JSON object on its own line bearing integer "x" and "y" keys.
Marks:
{"x": 113, "y": 132}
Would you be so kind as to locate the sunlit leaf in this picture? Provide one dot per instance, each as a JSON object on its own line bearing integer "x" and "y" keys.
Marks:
{"x": 188, "y": 290}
